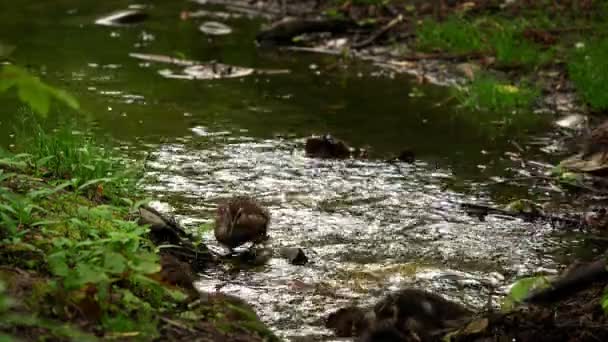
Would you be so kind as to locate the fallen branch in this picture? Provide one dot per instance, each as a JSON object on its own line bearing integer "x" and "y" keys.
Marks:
{"x": 445, "y": 56}
{"x": 284, "y": 31}
{"x": 378, "y": 33}
{"x": 484, "y": 210}
{"x": 570, "y": 283}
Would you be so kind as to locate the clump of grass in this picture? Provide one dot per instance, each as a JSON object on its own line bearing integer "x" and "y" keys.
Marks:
{"x": 588, "y": 69}
{"x": 487, "y": 92}
{"x": 505, "y": 39}
{"x": 453, "y": 35}
{"x": 70, "y": 155}
{"x": 511, "y": 48}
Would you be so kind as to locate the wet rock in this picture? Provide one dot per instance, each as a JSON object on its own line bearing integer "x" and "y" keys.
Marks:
{"x": 123, "y": 17}
{"x": 162, "y": 229}
{"x": 175, "y": 240}
{"x": 253, "y": 257}
{"x": 405, "y": 156}
{"x": 294, "y": 255}
{"x": 325, "y": 147}
{"x": 572, "y": 121}
{"x": 468, "y": 70}
{"x": 215, "y": 28}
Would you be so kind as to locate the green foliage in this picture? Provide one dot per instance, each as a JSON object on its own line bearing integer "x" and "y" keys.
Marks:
{"x": 97, "y": 256}
{"x": 588, "y": 69}
{"x": 487, "y": 92}
{"x": 511, "y": 48}
{"x": 66, "y": 154}
{"x": 10, "y": 319}
{"x": 32, "y": 91}
{"x": 520, "y": 290}
{"x": 504, "y": 38}
{"x": 453, "y": 35}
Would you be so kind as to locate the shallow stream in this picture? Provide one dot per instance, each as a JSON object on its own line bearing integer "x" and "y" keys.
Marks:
{"x": 367, "y": 226}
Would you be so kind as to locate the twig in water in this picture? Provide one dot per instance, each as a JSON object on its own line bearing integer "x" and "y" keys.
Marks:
{"x": 378, "y": 33}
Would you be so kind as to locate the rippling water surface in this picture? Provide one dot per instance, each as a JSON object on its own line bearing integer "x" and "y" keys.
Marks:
{"x": 367, "y": 226}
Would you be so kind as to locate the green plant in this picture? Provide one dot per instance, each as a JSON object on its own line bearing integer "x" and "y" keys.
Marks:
{"x": 70, "y": 155}
{"x": 453, "y": 35}
{"x": 11, "y": 319}
{"x": 511, "y": 48}
{"x": 520, "y": 290}
{"x": 32, "y": 90}
{"x": 588, "y": 69}
{"x": 489, "y": 93}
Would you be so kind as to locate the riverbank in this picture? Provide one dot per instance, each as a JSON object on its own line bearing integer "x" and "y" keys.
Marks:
{"x": 499, "y": 57}
{"x": 75, "y": 264}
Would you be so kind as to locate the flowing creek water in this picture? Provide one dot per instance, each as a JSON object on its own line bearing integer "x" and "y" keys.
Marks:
{"x": 367, "y": 226}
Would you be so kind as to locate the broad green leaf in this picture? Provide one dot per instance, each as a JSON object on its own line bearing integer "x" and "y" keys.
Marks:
{"x": 94, "y": 181}
{"x": 114, "y": 262}
{"x": 35, "y": 95}
{"x": 58, "y": 265}
{"x": 65, "y": 98}
{"x": 6, "y": 83}
{"x": 145, "y": 264}
{"x": 519, "y": 291}
{"x": 85, "y": 274}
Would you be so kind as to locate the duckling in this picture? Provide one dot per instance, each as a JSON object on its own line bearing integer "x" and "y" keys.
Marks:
{"x": 349, "y": 321}
{"x": 420, "y": 312}
{"x": 326, "y": 146}
{"x": 241, "y": 220}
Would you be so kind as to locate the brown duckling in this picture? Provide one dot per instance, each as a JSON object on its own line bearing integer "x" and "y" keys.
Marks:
{"x": 348, "y": 322}
{"x": 326, "y": 146}
{"x": 241, "y": 220}
{"x": 420, "y": 312}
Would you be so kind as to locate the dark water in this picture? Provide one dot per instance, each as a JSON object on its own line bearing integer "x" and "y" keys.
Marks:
{"x": 368, "y": 227}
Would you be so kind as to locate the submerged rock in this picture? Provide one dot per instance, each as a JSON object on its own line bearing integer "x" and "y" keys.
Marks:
{"x": 294, "y": 255}
{"x": 123, "y": 17}
{"x": 405, "y": 156}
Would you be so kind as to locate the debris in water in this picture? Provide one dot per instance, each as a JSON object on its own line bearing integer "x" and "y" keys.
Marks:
{"x": 123, "y": 18}
{"x": 215, "y": 28}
